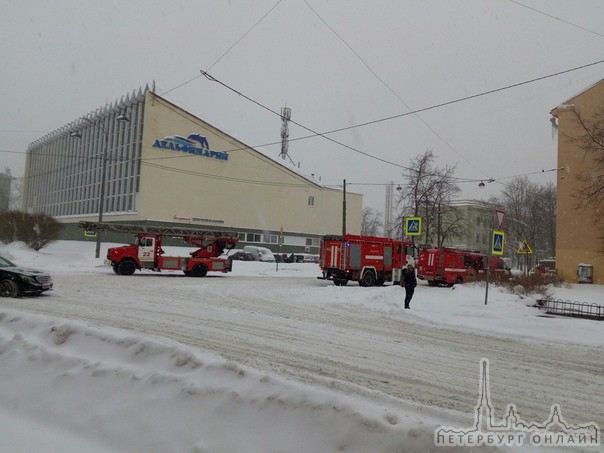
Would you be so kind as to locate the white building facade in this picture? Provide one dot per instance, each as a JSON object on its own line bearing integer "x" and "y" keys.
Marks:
{"x": 152, "y": 162}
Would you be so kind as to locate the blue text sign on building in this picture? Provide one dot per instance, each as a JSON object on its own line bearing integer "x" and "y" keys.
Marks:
{"x": 498, "y": 242}
{"x": 193, "y": 144}
{"x": 413, "y": 226}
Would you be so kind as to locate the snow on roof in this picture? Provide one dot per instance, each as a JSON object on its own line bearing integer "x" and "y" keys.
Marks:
{"x": 569, "y": 102}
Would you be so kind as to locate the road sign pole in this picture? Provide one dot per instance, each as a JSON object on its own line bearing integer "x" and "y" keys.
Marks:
{"x": 496, "y": 248}
{"x": 486, "y": 292}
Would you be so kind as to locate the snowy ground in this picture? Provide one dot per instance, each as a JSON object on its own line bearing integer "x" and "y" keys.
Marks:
{"x": 265, "y": 361}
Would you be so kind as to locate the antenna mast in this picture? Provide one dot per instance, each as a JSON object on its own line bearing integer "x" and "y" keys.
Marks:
{"x": 286, "y": 114}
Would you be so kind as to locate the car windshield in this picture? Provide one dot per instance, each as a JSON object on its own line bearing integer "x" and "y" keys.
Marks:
{"x": 5, "y": 263}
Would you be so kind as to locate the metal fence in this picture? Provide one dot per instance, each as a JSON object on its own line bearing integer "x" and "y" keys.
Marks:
{"x": 574, "y": 309}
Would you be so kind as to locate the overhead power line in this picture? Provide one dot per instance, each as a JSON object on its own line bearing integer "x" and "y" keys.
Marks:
{"x": 556, "y": 18}
{"x": 314, "y": 133}
{"x": 392, "y": 117}
{"x": 389, "y": 88}
{"x": 226, "y": 51}
{"x": 460, "y": 180}
{"x": 323, "y": 134}
{"x": 462, "y": 99}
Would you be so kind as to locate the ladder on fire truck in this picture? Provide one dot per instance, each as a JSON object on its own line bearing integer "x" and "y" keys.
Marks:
{"x": 172, "y": 231}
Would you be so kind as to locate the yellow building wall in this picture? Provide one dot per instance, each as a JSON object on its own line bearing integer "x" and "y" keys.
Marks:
{"x": 249, "y": 190}
{"x": 578, "y": 237}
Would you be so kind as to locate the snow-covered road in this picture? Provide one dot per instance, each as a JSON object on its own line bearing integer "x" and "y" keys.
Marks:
{"x": 271, "y": 324}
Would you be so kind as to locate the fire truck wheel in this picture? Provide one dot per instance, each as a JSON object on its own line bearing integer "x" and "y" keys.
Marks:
{"x": 115, "y": 269}
{"x": 199, "y": 270}
{"x": 368, "y": 279}
{"x": 126, "y": 267}
{"x": 458, "y": 280}
{"x": 340, "y": 281}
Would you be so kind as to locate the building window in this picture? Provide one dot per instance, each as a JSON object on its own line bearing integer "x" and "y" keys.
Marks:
{"x": 312, "y": 242}
{"x": 311, "y": 200}
{"x": 271, "y": 238}
{"x": 253, "y": 237}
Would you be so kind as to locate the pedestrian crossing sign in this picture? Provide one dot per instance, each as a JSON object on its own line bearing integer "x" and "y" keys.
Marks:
{"x": 413, "y": 226}
{"x": 524, "y": 249}
{"x": 498, "y": 241}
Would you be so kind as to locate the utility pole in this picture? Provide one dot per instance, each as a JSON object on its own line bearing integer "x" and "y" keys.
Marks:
{"x": 344, "y": 208}
{"x": 388, "y": 230}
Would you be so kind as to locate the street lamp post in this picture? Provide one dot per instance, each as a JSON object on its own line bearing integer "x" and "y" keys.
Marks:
{"x": 105, "y": 157}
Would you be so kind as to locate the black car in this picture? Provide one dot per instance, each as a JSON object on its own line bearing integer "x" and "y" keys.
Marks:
{"x": 17, "y": 281}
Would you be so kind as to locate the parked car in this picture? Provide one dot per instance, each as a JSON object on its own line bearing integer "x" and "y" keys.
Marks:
{"x": 260, "y": 253}
{"x": 282, "y": 258}
{"x": 17, "y": 281}
{"x": 242, "y": 255}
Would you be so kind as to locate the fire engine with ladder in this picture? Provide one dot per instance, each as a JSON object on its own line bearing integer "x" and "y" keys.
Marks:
{"x": 146, "y": 251}
{"x": 369, "y": 260}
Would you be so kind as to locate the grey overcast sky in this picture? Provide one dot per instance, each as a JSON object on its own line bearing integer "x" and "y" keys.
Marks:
{"x": 335, "y": 63}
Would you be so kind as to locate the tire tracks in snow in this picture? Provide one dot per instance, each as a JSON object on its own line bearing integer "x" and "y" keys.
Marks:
{"x": 263, "y": 323}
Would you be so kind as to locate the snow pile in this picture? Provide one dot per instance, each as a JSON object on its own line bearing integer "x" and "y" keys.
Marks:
{"x": 73, "y": 386}
{"x": 132, "y": 393}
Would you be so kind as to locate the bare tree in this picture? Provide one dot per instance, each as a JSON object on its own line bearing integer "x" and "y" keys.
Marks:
{"x": 36, "y": 230}
{"x": 530, "y": 215}
{"x": 371, "y": 223}
{"x": 5, "y": 189}
{"x": 543, "y": 214}
{"x": 591, "y": 195}
{"x": 453, "y": 225}
{"x": 428, "y": 193}
{"x": 16, "y": 194}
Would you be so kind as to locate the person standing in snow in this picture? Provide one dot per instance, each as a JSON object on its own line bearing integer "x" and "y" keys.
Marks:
{"x": 409, "y": 282}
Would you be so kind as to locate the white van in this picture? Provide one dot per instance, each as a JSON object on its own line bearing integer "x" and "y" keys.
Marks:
{"x": 261, "y": 253}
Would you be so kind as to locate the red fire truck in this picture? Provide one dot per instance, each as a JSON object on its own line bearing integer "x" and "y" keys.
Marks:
{"x": 146, "y": 251}
{"x": 369, "y": 260}
{"x": 449, "y": 266}
{"x": 544, "y": 267}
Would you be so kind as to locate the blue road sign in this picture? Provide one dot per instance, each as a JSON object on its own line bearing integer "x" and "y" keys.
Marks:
{"x": 498, "y": 242}
{"x": 413, "y": 226}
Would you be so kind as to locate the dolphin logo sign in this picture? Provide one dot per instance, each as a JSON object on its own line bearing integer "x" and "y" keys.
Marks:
{"x": 203, "y": 142}
{"x": 193, "y": 144}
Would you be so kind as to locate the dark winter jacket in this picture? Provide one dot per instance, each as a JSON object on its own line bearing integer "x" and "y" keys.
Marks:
{"x": 409, "y": 280}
